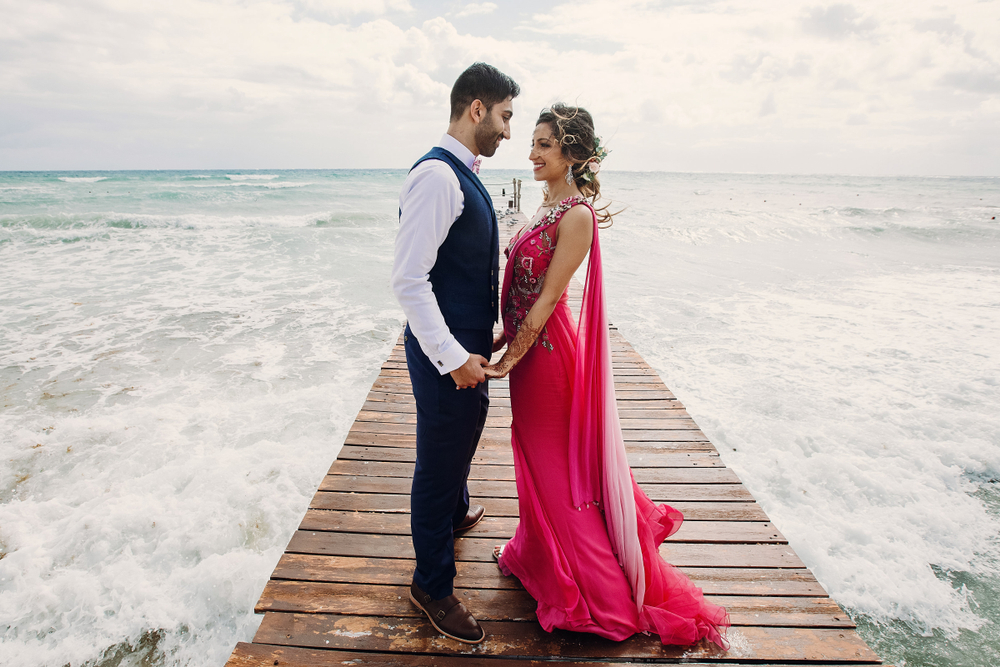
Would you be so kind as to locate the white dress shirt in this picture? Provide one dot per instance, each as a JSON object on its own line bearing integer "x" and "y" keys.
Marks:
{"x": 429, "y": 204}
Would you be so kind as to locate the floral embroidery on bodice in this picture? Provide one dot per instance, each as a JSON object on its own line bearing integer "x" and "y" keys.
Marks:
{"x": 529, "y": 265}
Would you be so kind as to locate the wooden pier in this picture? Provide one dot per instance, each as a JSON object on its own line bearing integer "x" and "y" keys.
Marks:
{"x": 339, "y": 594}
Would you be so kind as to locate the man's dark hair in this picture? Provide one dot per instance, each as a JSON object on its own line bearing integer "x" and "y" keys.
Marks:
{"x": 484, "y": 83}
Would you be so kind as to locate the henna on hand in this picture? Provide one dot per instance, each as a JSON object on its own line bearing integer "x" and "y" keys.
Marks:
{"x": 516, "y": 349}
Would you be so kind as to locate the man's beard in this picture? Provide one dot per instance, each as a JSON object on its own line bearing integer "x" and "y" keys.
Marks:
{"x": 486, "y": 137}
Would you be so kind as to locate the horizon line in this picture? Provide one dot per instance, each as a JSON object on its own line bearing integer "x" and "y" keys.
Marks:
{"x": 235, "y": 170}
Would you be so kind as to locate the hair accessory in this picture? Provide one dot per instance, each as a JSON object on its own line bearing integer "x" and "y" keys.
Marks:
{"x": 593, "y": 165}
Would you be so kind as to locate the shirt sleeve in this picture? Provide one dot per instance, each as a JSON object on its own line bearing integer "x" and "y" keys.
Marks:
{"x": 429, "y": 204}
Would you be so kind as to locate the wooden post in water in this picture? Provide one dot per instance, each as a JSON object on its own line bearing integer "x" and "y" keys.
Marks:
{"x": 515, "y": 200}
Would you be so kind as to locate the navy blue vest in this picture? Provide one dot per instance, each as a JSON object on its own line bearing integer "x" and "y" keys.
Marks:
{"x": 465, "y": 277}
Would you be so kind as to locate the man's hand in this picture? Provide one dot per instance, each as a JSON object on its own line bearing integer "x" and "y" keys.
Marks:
{"x": 470, "y": 373}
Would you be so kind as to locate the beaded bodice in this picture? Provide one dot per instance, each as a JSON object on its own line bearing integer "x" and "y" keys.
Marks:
{"x": 534, "y": 249}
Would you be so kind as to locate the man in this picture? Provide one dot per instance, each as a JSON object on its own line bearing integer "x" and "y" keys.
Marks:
{"x": 445, "y": 277}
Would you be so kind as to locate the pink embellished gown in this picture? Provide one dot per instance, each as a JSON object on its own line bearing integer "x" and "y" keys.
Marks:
{"x": 586, "y": 545}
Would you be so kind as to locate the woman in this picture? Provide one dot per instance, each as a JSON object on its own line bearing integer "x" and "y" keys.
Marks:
{"x": 586, "y": 544}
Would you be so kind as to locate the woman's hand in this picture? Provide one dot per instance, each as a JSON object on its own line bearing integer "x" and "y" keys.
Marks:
{"x": 500, "y": 341}
{"x": 496, "y": 371}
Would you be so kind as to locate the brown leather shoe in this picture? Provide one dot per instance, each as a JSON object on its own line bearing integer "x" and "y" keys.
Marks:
{"x": 474, "y": 516}
{"x": 449, "y": 616}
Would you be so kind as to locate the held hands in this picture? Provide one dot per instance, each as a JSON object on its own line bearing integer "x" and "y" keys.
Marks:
{"x": 477, "y": 368}
{"x": 525, "y": 338}
{"x": 470, "y": 373}
{"x": 498, "y": 370}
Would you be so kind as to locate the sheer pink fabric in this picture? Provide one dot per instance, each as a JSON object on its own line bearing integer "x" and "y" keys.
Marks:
{"x": 586, "y": 546}
{"x": 599, "y": 471}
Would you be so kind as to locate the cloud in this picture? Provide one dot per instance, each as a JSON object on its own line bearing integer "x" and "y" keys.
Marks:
{"x": 339, "y": 9}
{"x": 768, "y": 106}
{"x": 945, "y": 25}
{"x": 757, "y": 72}
{"x": 987, "y": 81}
{"x": 682, "y": 86}
{"x": 204, "y": 82}
{"x": 474, "y": 9}
{"x": 836, "y": 21}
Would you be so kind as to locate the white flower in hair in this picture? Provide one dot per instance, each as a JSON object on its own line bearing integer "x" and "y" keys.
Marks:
{"x": 594, "y": 163}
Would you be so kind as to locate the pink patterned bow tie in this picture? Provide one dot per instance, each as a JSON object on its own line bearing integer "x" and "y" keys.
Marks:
{"x": 476, "y": 164}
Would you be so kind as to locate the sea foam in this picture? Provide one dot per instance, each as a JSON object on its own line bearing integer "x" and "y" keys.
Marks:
{"x": 846, "y": 362}
{"x": 174, "y": 392}
{"x": 181, "y": 366}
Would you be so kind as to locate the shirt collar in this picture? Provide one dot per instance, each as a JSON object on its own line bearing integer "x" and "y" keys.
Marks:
{"x": 458, "y": 149}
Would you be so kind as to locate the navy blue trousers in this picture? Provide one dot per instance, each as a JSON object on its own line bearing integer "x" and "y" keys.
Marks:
{"x": 449, "y": 424}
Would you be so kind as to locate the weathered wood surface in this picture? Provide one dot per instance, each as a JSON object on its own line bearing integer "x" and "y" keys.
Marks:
{"x": 339, "y": 594}
{"x": 251, "y": 655}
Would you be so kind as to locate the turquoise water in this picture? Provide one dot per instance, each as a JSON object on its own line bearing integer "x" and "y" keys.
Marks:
{"x": 182, "y": 353}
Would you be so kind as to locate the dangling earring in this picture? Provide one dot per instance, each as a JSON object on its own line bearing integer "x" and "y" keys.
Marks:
{"x": 569, "y": 175}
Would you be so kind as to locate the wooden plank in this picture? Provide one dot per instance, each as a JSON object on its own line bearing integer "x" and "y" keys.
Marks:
{"x": 499, "y": 455}
{"x": 620, "y": 349}
{"x": 630, "y": 410}
{"x": 749, "y": 581}
{"x": 664, "y": 436}
{"x": 650, "y": 385}
{"x": 743, "y": 581}
{"x": 525, "y": 639}
{"x": 375, "y": 600}
{"x": 502, "y": 528}
{"x": 368, "y": 502}
{"x": 481, "y": 488}
{"x": 405, "y": 470}
{"x": 372, "y": 502}
{"x": 481, "y": 549}
{"x": 624, "y": 393}
{"x": 494, "y": 453}
{"x": 659, "y": 440}
{"x": 266, "y": 655}
{"x": 516, "y": 605}
{"x": 485, "y": 471}
{"x": 639, "y": 429}
{"x": 399, "y": 571}
{"x": 405, "y": 401}
{"x": 642, "y": 404}
{"x": 410, "y": 408}
{"x": 730, "y": 555}
{"x": 644, "y": 455}
{"x": 654, "y": 420}
{"x": 817, "y": 612}
{"x": 627, "y": 366}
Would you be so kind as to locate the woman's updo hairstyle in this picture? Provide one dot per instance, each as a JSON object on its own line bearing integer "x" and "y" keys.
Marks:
{"x": 573, "y": 130}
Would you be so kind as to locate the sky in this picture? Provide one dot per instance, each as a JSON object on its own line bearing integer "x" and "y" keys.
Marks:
{"x": 894, "y": 87}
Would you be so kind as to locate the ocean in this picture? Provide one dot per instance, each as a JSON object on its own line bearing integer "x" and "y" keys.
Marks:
{"x": 183, "y": 352}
